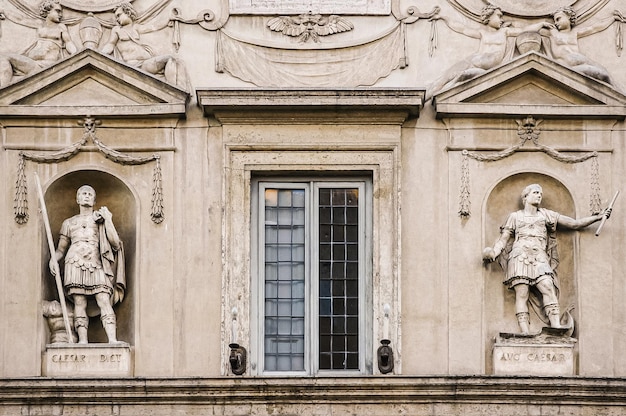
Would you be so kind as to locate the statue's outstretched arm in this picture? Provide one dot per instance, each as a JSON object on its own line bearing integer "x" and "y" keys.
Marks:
{"x": 578, "y": 224}
{"x": 600, "y": 25}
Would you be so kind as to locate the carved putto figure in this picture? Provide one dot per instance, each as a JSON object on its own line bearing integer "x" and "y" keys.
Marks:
{"x": 528, "y": 254}
{"x": 491, "y": 50}
{"x": 52, "y": 44}
{"x": 125, "y": 43}
{"x": 94, "y": 263}
{"x": 564, "y": 35}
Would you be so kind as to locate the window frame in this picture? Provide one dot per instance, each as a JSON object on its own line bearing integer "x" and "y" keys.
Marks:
{"x": 312, "y": 185}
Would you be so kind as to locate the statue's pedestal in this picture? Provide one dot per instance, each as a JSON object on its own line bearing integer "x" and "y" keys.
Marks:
{"x": 87, "y": 360}
{"x": 550, "y": 353}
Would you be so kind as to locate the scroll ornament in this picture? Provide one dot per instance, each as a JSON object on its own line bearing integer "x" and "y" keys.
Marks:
{"x": 89, "y": 124}
{"x": 528, "y": 130}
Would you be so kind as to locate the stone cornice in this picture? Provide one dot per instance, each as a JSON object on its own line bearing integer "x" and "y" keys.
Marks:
{"x": 311, "y": 106}
{"x": 579, "y": 96}
{"x": 336, "y": 391}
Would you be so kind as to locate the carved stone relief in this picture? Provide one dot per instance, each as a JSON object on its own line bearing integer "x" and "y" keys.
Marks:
{"x": 528, "y": 130}
{"x": 125, "y": 43}
{"x": 309, "y": 26}
{"x": 355, "y": 7}
{"x": 91, "y": 5}
{"x": 52, "y": 43}
{"x": 21, "y": 202}
{"x": 556, "y": 38}
{"x": 267, "y": 63}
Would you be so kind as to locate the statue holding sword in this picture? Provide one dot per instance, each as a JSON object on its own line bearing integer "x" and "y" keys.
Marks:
{"x": 527, "y": 251}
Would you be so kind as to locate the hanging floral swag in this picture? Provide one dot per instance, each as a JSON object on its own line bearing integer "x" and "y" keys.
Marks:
{"x": 21, "y": 201}
{"x": 528, "y": 130}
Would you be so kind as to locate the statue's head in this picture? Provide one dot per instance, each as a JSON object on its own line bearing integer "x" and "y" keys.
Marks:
{"x": 486, "y": 13}
{"x": 127, "y": 9}
{"x": 86, "y": 188}
{"x": 569, "y": 12}
{"x": 46, "y": 6}
{"x": 529, "y": 189}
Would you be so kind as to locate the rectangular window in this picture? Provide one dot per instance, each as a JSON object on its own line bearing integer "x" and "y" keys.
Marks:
{"x": 312, "y": 263}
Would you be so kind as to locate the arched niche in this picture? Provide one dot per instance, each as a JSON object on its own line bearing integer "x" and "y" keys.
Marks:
{"x": 503, "y": 199}
{"x": 60, "y": 197}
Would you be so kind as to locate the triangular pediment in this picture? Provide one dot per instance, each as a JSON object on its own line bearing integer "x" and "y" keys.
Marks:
{"x": 531, "y": 84}
{"x": 90, "y": 83}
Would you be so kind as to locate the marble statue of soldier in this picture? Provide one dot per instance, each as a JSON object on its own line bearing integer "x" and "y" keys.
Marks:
{"x": 94, "y": 263}
{"x": 527, "y": 248}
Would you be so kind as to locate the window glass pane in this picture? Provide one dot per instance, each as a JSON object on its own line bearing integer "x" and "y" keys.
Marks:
{"x": 338, "y": 318}
{"x": 285, "y": 251}
{"x": 284, "y": 279}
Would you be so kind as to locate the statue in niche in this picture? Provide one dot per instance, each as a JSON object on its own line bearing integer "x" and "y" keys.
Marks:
{"x": 125, "y": 44}
{"x": 563, "y": 45}
{"x": 53, "y": 43}
{"x": 528, "y": 254}
{"x": 94, "y": 263}
{"x": 491, "y": 51}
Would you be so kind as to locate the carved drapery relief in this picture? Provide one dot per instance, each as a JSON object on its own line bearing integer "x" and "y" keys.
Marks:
{"x": 89, "y": 124}
{"x": 309, "y": 26}
{"x": 270, "y": 65}
{"x": 528, "y": 130}
{"x": 274, "y": 67}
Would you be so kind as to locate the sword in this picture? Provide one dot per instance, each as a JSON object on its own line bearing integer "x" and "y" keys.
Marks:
{"x": 604, "y": 217}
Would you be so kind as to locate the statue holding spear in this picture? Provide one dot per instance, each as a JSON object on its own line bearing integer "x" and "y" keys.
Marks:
{"x": 94, "y": 264}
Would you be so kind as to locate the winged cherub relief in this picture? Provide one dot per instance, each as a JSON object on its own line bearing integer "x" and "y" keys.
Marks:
{"x": 309, "y": 26}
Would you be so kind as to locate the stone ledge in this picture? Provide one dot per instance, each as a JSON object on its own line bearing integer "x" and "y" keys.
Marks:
{"x": 311, "y": 106}
{"x": 336, "y": 391}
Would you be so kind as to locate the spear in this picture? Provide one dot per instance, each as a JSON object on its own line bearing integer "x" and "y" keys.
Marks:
{"x": 57, "y": 278}
{"x": 604, "y": 217}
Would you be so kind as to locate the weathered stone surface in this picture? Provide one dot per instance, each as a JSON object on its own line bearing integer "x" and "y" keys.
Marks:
{"x": 87, "y": 360}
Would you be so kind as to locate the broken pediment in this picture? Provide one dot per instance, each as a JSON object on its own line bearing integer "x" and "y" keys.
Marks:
{"x": 90, "y": 83}
{"x": 532, "y": 84}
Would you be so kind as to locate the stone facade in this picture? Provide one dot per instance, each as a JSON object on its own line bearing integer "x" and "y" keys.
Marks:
{"x": 186, "y": 117}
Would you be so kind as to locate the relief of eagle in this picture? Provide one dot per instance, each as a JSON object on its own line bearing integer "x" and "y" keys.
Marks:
{"x": 309, "y": 26}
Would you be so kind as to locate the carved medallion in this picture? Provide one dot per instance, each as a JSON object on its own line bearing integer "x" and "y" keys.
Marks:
{"x": 91, "y": 5}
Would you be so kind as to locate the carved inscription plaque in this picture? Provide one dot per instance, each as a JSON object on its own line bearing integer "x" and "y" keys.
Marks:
{"x": 534, "y": 360}
{"x": 531, "y": 7}
{"x": 91, "y": 5}
{"x": 87, "y": 360}
{"x": 354, "y": 7}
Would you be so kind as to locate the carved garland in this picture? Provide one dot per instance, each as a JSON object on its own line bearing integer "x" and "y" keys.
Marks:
{"x": 21, "y": 201}
{"x": 528, "y": 130}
